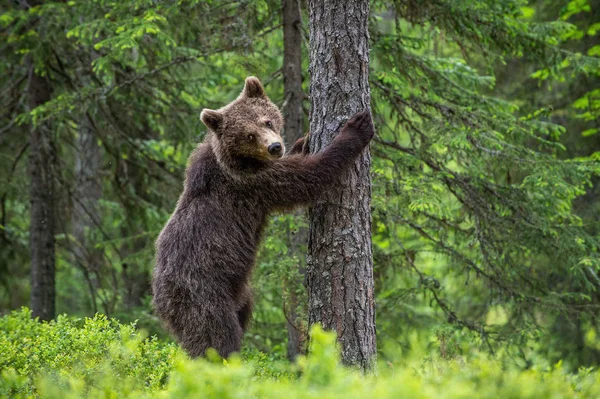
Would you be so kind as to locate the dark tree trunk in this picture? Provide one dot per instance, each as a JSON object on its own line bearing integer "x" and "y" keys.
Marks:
{"x": 340, "y": 262}
{"x": 41, "y": 231}
{"x": 296, "y": 298}
{"x": 293, "y": 117}
{"x": 292, "y": 71}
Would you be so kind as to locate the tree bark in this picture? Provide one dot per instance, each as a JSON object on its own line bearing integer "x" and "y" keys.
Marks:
{"x": 340, "y": 262}
{"x": 293, "y": 118}
{"x": 41, "y": 230}
{"x": 292, "y": 71}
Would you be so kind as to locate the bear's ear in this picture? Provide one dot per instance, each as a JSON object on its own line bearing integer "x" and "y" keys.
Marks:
{"x": 253, "y": 88}
{"x": 212, "y": 119}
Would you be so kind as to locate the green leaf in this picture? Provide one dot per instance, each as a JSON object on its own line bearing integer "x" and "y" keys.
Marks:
{"x": 593, "y": 29}
{"x": 581, "y": 103}
{"x": 594, "y": 51}
{"x": 527, "y": 12}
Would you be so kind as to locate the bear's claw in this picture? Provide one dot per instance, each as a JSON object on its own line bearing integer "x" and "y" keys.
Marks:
{"x": 361, "y": 125}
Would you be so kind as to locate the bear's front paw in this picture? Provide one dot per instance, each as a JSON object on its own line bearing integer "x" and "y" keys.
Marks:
{"x": 360, "y": 125}
{"x": 300, "y": 146}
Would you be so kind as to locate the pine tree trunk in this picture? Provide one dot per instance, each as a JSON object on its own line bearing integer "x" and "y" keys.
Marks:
{"x": 340, "y": 262}
{"x": 41, "y": 230}
{"x": 293, "y": 117}
{"x": 292, "y": 71}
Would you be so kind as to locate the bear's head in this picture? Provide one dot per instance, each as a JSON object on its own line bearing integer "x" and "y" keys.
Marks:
{"x": 248, "y": 129}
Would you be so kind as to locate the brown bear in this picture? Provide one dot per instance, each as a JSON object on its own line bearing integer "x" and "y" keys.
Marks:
{"x": 234, "y": 180}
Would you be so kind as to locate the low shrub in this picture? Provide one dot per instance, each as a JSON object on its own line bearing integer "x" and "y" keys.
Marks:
{"x": 100, "y": 358}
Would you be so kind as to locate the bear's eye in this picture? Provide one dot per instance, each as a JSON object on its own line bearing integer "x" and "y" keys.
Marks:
{"x": 250, "y": 137}
{"x": 269, "y": 124}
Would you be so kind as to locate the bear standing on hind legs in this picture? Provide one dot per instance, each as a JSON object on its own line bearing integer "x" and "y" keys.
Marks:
{"x": 234, "y": 180}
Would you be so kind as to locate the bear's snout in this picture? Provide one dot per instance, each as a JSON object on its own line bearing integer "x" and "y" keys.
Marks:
{"x": 275, "y": 149}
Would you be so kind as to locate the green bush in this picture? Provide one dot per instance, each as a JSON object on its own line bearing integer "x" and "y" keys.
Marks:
{"x": 100, "y": 358}
{"x": 73, "y": 353}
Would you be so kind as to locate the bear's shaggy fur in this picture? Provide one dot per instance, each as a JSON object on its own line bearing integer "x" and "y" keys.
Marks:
{"x": 234, "y": 180}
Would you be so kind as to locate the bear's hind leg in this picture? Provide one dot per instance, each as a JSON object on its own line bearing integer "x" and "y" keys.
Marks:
{"x": 244, "y": 306}
{"x": 217, "y": 328}
{"x": 244, "y": 313}
{"x": 198, "y": 323}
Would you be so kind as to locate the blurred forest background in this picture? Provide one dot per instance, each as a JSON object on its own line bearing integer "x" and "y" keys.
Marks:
{"x": 486, "y": 207}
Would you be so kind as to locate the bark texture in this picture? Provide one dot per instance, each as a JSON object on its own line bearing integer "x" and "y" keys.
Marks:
{"x": 340, "y": 262}
{"x": 42, "y": 225}
{"x": 293, "y": 130}
{"x": 292, "y": 71}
